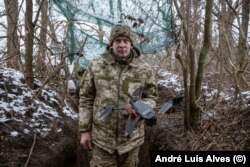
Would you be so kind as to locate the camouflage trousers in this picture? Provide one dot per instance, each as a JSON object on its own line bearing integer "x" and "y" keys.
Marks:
{"x": 102, "y": 158}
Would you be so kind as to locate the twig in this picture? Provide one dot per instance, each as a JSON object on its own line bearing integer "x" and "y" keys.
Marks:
{"x": 242, "y": 142}
{"x": 209, "y": 146}
{"x": 197, "y": 141}
{"x": 31, "y": 150}
{"x": 48, "y": 78}
{"x": 7, "y": 125}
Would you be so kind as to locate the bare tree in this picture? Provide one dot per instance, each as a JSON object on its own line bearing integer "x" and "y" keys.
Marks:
{"x": 202, "y": 59}
{"x": 12, "y": 37}
{"x": 192, "y": 111}
{"x": 29, "y": 33}
{"x": 234, "y": 53}
{"x": 29, "y": 41}
{"x": 41, "y": 64}
{"x": 181, "y": 59}
{"x": 243, "y": 44}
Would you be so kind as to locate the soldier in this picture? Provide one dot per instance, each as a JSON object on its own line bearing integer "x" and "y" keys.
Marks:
{"x": 72, "y": 90}
{"x": 110, "y": 80}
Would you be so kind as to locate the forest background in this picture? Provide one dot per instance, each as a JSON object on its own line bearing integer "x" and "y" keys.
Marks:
{"x": 211, "y": 50}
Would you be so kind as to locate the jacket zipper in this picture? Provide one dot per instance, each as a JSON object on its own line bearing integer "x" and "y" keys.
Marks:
{"x": 118, "y": 103}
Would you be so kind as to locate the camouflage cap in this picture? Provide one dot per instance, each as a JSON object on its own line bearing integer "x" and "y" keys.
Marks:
{"x": 121, "y": 30}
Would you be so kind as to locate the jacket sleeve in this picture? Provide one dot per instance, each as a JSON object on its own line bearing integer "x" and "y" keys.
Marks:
{"x": 86, "y": 102}
{"x": 150, "y": 93}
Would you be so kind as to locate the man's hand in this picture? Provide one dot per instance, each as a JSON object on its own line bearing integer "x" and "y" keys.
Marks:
{"x": 86, "y": 140}
{"x": 130, "y": 110}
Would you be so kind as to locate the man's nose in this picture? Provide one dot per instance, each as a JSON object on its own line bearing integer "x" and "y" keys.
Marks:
{"x": 122, "y": 43}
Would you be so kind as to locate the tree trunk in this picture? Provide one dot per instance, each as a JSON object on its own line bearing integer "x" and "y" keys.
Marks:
{"x": 186, "y": 61}
{"x": 243, "y": 48}
{"x": 29, "y": 32}
{"x": 195, "y": 116}
{"x": 205, "y": 48}
{"x": 12, "y": 37}
{"x": 41, "y": 64}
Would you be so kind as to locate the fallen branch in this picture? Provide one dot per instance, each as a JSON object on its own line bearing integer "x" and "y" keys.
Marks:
{"x": 31, "y": 150}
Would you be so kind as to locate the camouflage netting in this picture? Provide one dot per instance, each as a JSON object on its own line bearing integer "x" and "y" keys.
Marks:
{"x": 89, "y": 23}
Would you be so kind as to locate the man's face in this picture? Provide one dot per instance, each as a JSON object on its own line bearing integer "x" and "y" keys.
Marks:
{"x": 121, "y": 46}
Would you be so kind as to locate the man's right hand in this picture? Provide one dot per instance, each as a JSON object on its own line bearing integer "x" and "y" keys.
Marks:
{"x": 130, "y": 110}
{"x": 86, "y": 140}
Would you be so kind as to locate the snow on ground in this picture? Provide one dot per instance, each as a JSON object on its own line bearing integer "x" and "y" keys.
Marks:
{"x": 174, "y": 82}
{"x": 19, "y": 103}
{"x": 170, "y": 80}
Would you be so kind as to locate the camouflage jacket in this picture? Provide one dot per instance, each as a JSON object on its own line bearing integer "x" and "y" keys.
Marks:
{"x": 108, "y": 83}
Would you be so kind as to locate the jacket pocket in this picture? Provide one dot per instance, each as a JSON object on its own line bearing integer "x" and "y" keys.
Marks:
{"x": 131, "y": 85}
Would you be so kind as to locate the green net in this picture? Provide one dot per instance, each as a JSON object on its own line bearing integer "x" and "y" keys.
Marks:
{"x": 89, "y": 23}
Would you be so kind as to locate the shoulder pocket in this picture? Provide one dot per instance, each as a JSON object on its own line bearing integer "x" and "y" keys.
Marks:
{"x": 104, "y": 82}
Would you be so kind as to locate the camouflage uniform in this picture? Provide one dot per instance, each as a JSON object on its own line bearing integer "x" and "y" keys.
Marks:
{"x": 104, "y": 159}
{"x": 108, "y": 82}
